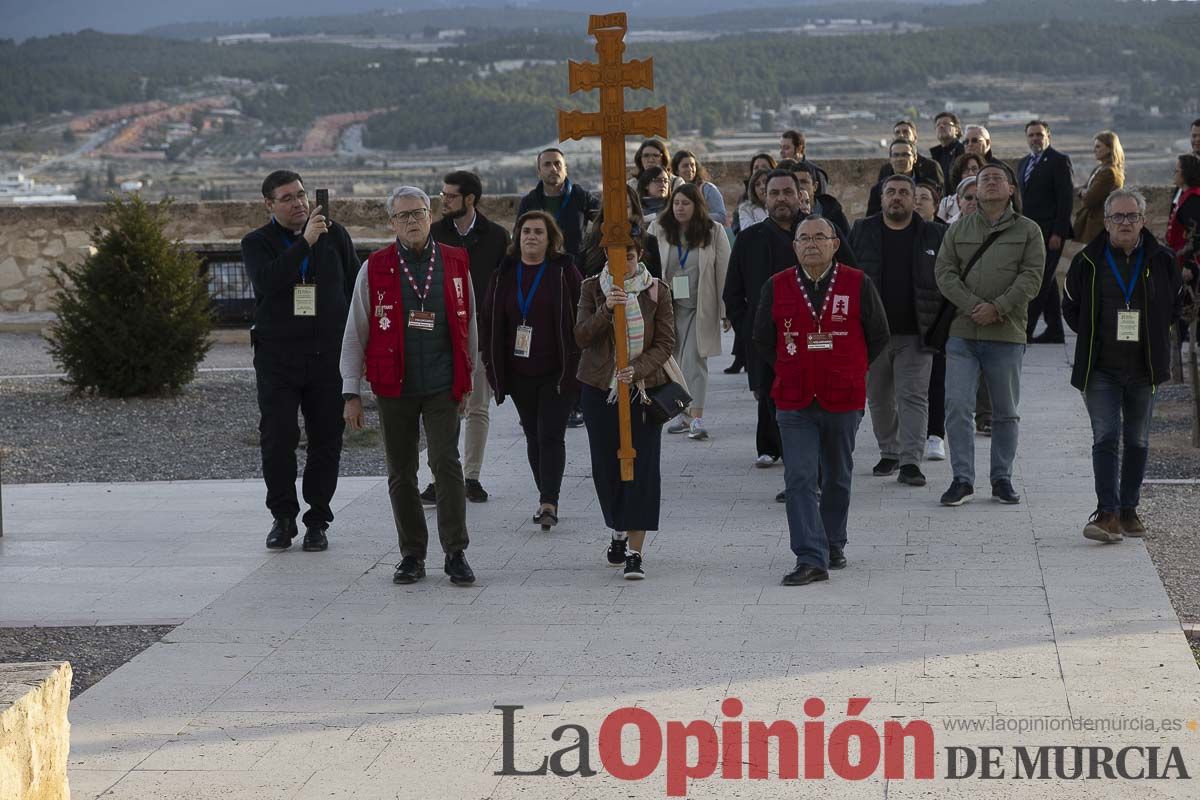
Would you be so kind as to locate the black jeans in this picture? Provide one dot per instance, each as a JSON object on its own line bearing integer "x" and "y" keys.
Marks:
{"x": 543, "y": 412}
{"x": 1120, "y": 411}
{"x": 290, "y": 383}
{"x": 1047, "y": 301}
{"x": 937, "y": 397}
{"x": 766, "y": 435}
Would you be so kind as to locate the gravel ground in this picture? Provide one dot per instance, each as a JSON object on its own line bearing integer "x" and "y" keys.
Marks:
{"x": 94, "y": 652}
{"x": 1171, "y": 451}
{"x": 1170, "y": 514}
{"x": 28, "y": 354}
{"x": 210, "y": 431}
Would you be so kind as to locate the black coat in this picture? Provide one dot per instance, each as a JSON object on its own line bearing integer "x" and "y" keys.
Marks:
{"x": 485, "y": 244}
{"x": 828, "y": 207}
{"x": 1049, "y": 196}
{"x": 580, "y": 209}
{"x": 273, "y": 256}
{"x": 758, "y": 253}
{"x": 867, "y": 240}
{"x": 561, "y": 284}
{"x": 945, "y": 157}
{"x": 1161, "y": 303}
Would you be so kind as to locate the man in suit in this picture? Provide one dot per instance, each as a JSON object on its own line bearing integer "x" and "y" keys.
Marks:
{"x": 949, "y": 146}
{"x": 1047, "y": 186}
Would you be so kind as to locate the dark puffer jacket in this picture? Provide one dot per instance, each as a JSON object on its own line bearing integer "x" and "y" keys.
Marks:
{"x": 866, "y": 239}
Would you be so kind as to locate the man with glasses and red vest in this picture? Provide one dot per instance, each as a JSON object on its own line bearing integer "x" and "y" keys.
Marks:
{"x": 819, "y": 325}
{"x": 412, "y": 334}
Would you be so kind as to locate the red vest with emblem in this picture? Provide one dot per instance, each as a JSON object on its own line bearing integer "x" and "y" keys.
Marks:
{"x": 837, "y": 378}
{"x": 385, "y": 344}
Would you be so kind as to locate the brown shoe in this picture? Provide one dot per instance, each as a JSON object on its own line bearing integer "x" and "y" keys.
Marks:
{"x": 1103, "y": 526}
{"x": 1131, "y": 524}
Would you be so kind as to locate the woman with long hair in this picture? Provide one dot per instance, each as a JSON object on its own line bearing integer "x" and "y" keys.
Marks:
{"x": 654, "y": 191}
{"x": 685, "y": 165}
{"x": 966, "y": 165}
{"x": 694, "y": 251}
{"x": 1106, "y": 178}
{"x": 527, "y": 340}
{"x": 753, "y": 209}
{"x": 630, "y": 508}
{"x": 652, "y": 153}
{"x": 594, "y": 255}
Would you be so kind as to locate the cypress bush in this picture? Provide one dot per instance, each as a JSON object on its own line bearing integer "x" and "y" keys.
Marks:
{"x": 134, "y": 316}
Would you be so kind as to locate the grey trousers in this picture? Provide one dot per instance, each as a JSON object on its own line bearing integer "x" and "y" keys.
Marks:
{"x": 898, "y": 396}
{"x": 477, "y": 423}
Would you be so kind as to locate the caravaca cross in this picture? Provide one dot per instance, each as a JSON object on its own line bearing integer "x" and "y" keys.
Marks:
{"x": 612, "y": 124}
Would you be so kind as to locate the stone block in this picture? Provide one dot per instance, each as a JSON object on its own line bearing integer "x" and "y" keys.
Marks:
{"x": 77, "y": 240}
{"x": 54, "y": 249}
{"x": 14, "y": 295}
{"x": 10, "y": 273}
{"x": 35, "y": 736}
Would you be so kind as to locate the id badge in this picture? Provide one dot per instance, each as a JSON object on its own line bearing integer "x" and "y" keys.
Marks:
{"x": 304, "y": 300}
{"x": 421, "y": 320}
{"x": 523, "y": 342}
{"x": 820, "y": 341}
{"x": 1128, "y": 328}
{"x": 681, "y": 287}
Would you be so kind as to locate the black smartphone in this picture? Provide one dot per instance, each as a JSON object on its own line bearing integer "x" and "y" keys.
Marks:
{"x": 323, "y": 202}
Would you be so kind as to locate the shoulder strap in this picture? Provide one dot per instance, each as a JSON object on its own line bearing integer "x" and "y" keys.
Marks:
{"x": 979, "y": 253}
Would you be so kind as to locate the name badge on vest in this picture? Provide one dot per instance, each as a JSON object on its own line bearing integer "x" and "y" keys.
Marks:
{"x": 421, "y": 320}
{"x": 681, "y": 287}
{"x": 304, "y": 300}
{"x": 820, "y": 341}
{"x": 524, "y": 341}
{"x": 1128, "y": 327}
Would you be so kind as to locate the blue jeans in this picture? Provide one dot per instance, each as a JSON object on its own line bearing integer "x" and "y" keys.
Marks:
{"x": 1109, "y": 399}
{"x": 1000, "y": 365}
{"x": 818, "y": 446}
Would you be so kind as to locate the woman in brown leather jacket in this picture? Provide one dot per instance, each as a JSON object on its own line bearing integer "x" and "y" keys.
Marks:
{"x": 630, "y": 508}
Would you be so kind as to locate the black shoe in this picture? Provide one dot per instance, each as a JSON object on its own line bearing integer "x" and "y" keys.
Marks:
{"x": 1048, "y": 338}
{"x": 911, "y": 475}
{"x": 959, "y": 492}
{"x": 315, "y": 540}
{"x": 733, "y": 369}
{"x": 1002, "y": 490}
{"x": 458, "y": 569}
{"x": 429, "y": 496}
{"x": 616, "y": 552}
{"x": 781, "y": 497}
{"x": 410, "y": 570}
{"x": 983, "y": 428}
{"x": 282, "y": 533}
{"x": 837, "y": 557}
{"x": 575, "y": 420}
{"x": 633, "y": 567}
{"x": 476, "y": 492}
{"x": 885, "y": 467}
{"x": 804, "y": 574}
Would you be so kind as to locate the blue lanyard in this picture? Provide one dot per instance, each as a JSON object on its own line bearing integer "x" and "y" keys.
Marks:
{"x": 682, "y": 256}
{"x": 524, "y": 303}
{"x": 1126, "y": 290}
{"x": 288, "y": 242}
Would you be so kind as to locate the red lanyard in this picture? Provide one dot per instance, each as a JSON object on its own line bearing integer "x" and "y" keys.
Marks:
{"x": 428, "y": 275}
{"x": 828, "y": 294}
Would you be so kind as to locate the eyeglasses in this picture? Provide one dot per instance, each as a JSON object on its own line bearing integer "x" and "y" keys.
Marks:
{"x": 414, "y": 216}
{"x": 1122, "y": 219}
{"x": 288, "y": 199}
{"x": 976, "y": 139}
{"x": 820, "y": 238}
{"x": 450, "y": 196}
{"x": 659, "y": 181}
{"x": 968, "y": 198}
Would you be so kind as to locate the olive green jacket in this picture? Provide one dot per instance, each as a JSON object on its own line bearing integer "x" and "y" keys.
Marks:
{"x": 1008, "y": 275}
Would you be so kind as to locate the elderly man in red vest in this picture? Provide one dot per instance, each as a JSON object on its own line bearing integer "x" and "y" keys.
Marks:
{"x": 412, "y": 333}
{"x": 820, "y": 325}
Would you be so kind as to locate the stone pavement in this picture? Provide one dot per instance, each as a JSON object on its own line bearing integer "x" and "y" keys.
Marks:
{"x": 302, "y": 676}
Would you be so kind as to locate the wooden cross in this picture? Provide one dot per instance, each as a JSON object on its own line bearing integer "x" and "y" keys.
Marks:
{"x": 612, "y": 124}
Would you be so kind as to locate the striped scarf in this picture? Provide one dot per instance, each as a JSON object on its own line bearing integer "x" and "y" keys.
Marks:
{"x": 635, "y": 323}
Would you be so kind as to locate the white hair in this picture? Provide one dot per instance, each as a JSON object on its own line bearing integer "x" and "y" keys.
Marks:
{"x": 965, "y": 184}
{"x": 406, "y": 191}
{"x": 1121, "y": 194}
{"x": 982, "y": 130}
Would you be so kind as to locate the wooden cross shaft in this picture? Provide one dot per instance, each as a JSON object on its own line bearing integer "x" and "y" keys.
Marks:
{"x": 612, "y": 123}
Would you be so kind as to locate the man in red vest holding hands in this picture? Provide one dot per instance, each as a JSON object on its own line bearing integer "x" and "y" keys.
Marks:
{"x": 819, "y": 325}
{"x": 412, "y": 333}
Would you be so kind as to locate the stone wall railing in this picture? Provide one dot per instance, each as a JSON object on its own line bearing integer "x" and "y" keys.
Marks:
{"x": 35, "y": 736}
{"x": 34, "y": 239}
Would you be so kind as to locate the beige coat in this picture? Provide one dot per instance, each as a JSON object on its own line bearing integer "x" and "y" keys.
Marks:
{"x": 710, "y": 308}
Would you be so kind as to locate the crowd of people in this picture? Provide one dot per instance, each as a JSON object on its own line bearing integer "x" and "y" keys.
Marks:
{"x": 920, "y": 311}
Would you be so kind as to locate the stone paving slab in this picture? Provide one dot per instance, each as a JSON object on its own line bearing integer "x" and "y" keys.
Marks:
{"x": 299, "y": 675}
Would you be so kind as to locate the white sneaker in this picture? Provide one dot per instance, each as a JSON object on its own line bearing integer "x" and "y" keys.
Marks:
{"x": 697, "y": 432}
{"x": 680, "y": 425}
{"x": 935, "y": 449}
{"x": 762, "y": 462}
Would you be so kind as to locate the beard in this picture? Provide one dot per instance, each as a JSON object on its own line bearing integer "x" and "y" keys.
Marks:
{"x": 462, "y": 212}
{"x": 781, "y": 213}
{"x": 897, "y": 214}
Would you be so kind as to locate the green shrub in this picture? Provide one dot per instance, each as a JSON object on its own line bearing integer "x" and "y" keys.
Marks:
{"x": 134, "y": 317}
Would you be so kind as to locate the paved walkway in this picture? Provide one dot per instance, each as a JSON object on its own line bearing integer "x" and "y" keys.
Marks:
{"x": 300, "y": 675}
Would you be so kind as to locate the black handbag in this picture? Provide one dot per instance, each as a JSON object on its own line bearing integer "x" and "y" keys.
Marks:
{"x": 666, "y": 402}
{"x": 939, "y": 332}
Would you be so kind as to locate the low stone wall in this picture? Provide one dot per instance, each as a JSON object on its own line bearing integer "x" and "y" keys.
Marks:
{"x": 35, "y": 736}
{"x": 34, "y": 239}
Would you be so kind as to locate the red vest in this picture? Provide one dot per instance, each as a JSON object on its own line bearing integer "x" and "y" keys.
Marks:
{"x": 1176, "y": 235}
{"x": 385, "y": 344}
{"x": 837, "y": 378}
